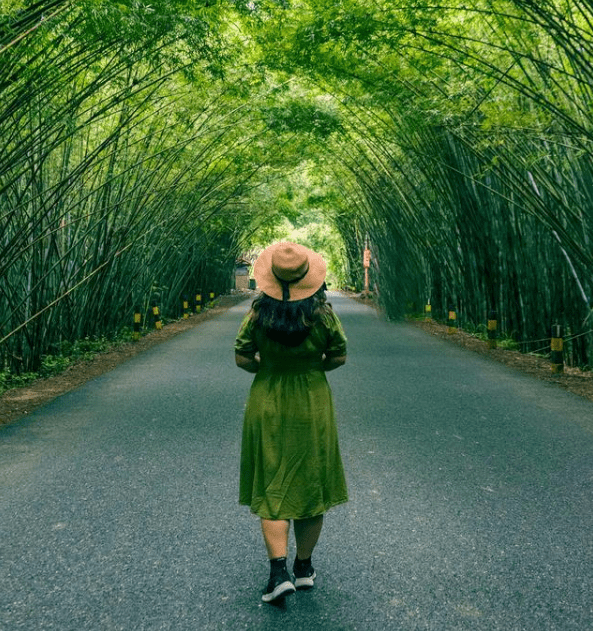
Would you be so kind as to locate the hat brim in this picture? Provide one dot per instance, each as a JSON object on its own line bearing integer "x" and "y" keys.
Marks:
{"x": 304, "y": 288}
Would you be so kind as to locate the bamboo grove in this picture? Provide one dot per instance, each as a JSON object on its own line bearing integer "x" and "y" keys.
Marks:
{"x": 145, "y": 147}
{"x": 467, "y": 155}
{"x": 123, "y": 164}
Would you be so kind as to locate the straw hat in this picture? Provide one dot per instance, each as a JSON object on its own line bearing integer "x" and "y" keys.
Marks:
{"x": 288, "y": 271}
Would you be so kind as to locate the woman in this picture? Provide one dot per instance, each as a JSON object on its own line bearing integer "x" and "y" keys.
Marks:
{"x": 291, "y": 467}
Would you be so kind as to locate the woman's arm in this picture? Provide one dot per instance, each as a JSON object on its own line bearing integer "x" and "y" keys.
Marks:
{"x": 331, "y": 363}
{"x": 250, "y": 364}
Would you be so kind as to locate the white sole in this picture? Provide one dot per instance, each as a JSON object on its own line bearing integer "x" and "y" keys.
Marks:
{"x": 280, "y": 591}
{"x": 306, "y": 582}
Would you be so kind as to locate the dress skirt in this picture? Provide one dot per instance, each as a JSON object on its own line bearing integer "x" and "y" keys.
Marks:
{"x": 291, "y": 466}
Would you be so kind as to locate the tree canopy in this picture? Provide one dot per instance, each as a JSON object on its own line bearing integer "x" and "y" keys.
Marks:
{"x": 146, "y": 146}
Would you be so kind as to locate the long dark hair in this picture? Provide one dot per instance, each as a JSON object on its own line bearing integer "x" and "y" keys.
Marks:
{"x": 289, "y": 322}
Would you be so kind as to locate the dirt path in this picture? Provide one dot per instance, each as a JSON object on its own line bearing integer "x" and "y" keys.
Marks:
{"x": 573, "y": 379}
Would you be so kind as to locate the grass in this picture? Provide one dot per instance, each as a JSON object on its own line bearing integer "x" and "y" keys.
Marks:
{"x": 506, "y": 342}
{"x": 67, "y": 354}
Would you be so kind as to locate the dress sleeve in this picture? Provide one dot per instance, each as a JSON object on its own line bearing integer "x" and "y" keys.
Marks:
{"x": 245, "y": 343}
{"x": 336, "y": 342}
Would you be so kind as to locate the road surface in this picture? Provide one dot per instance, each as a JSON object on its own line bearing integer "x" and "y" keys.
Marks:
{"x": 470, "y": 496}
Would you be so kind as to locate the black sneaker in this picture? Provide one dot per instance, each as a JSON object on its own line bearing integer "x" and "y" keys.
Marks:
{"x": 304, "y": 574}
{"x": 279, "y": 586}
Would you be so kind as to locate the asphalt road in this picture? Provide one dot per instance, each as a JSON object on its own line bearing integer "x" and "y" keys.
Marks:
{"x": 470, "y": 486}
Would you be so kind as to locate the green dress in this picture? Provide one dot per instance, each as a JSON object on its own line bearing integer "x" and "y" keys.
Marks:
{"x": 290, "y": 459}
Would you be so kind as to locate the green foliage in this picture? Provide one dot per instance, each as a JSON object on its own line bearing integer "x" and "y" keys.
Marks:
{"x": 300, "y": 117}
{"x": 68, "y": 354}
{"x": 146, "y": 145}
{"x": 480, "y": 331}
{"x": 8, "y": 380}
{"x": 85, "y": 348}
{"x": 509, "y": 344}
{"x": 53, "y": 365}
{"x": 10, "y": 7}
{"x": 148, "y": 25}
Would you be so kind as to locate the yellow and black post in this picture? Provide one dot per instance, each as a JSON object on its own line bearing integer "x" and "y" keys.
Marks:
{"x": 492, "y": 324}
{"x": 185, "y": 307}
{"x": 452, "y": 320}
{"x": 557, "y": 347}
{"x": 211, "y": 298}
{"x": 156, "y": 315}
{"x": 137, "y": 323}
{"x": 427, "y": 312}
{"x": 198, "y": 303}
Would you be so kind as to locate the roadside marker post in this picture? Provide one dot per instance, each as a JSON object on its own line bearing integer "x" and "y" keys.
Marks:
{"x": 492, "y": 325}
{"x": 158, "y": 324}
{"x": 366, "y": 260}
{"x": 452, "y": 321}
{"x": 137, "y": 323}
{"x": 557, "y": 348}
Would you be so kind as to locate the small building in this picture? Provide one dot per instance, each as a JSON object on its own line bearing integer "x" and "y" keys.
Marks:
{"x": 242, "y": 274}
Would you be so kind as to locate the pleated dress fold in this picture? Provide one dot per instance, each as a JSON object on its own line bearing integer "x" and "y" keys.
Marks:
{"x": 291, "y": 466}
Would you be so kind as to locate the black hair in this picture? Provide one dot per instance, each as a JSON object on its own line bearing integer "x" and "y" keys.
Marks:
{"x": 289, "y": 322}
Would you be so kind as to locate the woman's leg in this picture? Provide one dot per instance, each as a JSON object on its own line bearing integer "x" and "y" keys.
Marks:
{"x": 306, "y": 532}
{"x": 275, "y": 533}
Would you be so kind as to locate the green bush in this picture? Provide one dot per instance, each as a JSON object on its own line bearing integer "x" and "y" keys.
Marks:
{"x": 9, "y": 380}
{"x": 86, "y": 348}
{"x": 66, "y": 354}
{"x": 509, "y": 344}
{"x": 53, "y": 364}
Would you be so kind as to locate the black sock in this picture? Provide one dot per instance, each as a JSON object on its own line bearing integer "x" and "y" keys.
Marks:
{"x": 302, "y": 562}
{"x": 278, "y": 564}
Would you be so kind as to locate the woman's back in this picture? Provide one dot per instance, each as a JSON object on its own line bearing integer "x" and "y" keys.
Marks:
{"x": 325, "y": 339}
